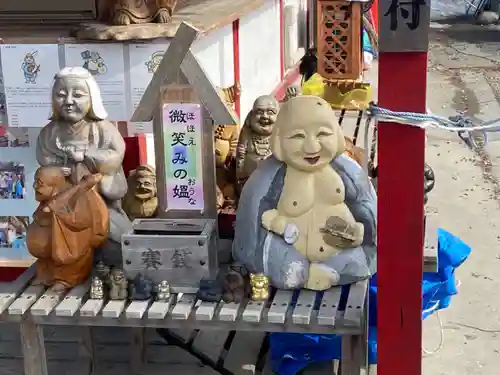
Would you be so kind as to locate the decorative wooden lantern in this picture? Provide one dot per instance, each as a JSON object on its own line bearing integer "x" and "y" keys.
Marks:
{"x": 339, "y": 39}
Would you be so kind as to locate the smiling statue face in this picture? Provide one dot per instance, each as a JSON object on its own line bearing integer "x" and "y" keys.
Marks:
{"x": 265, "y": 110}
{"x": 72, "y": 99}
{"x": 308, "y": 134}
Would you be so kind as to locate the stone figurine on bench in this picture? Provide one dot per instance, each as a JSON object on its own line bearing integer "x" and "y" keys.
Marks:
{"x": 141, "y": 200}
{"x": 80, "y": 141}
{"x": 307, "y": 216}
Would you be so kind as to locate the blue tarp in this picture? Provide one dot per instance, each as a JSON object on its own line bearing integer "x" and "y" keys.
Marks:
{"x": 291, "y": 352}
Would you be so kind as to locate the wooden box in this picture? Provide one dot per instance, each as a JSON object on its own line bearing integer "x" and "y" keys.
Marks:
{"x": 339, "y": 39}
{"x": 180, "y": 251}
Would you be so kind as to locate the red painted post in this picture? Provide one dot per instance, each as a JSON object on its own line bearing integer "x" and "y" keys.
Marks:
{"x": 374, "y": 14}
{"x": 402, "y": 87}
{"x": 236, "y": 62}
{"x": 282, "y": 38}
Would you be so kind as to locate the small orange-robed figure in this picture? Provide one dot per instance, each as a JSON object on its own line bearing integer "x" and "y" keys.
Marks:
{"x": 69, "y": 223}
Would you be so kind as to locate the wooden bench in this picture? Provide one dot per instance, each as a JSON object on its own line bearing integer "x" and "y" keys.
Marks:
{"x": 332, "y": 312}
{"x": 230, "y": 339}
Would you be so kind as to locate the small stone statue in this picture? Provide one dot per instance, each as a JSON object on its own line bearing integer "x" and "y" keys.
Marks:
{"x": 260, "y": 287}
{"x": 254, "y": 141}
{"x": 209, "y": 291}
{"x": 117, "y": 284}
{"x": 101, "y": 270}
{"x": 141, "y": 200}
{"x": 96, "y": 288}
{"x": 141, "y": 288}
{"x": 163, "y": 291}
{"x": 126, "y": 12}
{"x": 235, "y": 287}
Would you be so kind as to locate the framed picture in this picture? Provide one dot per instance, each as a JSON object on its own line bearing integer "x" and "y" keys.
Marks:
{"x": 17, "y": 202}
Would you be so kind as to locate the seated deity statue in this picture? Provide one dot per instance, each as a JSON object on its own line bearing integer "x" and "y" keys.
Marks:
{"x": 307, "y": 216}
{"x": 69, "y": 223}
{"x": 80, "y": 141}
{"x": 126, "y": 12}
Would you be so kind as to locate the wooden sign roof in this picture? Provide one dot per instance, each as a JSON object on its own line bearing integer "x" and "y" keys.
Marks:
{"x": 179, "y": 56}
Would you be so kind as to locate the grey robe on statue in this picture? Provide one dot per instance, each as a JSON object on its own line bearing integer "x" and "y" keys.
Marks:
{"x": 263, "y": 251}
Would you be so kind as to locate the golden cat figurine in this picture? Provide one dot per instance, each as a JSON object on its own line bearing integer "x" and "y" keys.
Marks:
{"x": 260, "y": 287}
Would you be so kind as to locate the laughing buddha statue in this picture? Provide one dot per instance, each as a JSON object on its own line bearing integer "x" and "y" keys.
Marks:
{"x": 307, "y": 215}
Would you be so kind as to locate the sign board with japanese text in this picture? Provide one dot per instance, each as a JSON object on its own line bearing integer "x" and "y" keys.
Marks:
{"x": 182, "y": 124}
{"x": 180, "y": 89}
{"x": 185, "y": 159}
{"x": 404, "y": 25}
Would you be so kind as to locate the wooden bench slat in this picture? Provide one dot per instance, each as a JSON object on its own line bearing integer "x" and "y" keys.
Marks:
{"x": 356, "y": 302}
{"x": 184, "y": 306}
{"x": 329, "y": 306}
{"x": 159, "y": 309}
{"x": 10, "y": 291}
{"x": 304, "y": 307}
{"x": 114, "y": 309}
{"x": 253, "y": 311}
{"x": 92, "y": 307}
{"x": 279, "y": 306}
{"x": 206, "y": 310}
{"x": 46, "y": 303}
{"x": 73, "y": 300}
{"x": 229, "y": 311}
{"x": 26, "y": 300}
{"x": 137, "y": 309}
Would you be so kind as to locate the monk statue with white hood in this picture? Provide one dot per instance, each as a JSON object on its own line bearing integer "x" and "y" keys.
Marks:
{"x": 81, "y": 141}
{"x": 307, "y": 216}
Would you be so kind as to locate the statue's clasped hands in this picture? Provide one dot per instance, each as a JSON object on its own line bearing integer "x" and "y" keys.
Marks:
{"x": 77, "y": 156}
{"x": 274, "y": 222}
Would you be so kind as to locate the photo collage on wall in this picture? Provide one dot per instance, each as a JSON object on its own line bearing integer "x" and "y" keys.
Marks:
{"x": 17, "y": 203}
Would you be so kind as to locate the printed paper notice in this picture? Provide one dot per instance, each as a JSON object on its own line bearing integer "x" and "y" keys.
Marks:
{"x": 183, "y": 157}
{"x": 3, "y": 104}
{"x": 105, "y": 62}
{"x": 28, "y": 72}
{"x": 144, "y": 60}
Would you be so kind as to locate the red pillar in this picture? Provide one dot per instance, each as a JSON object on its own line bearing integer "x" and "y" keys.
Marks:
{"x": 236, "y": 61}
{"x": 374, "y": 14}
{"x": 402, "y": 87}
{"x": 282, "y": 39}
